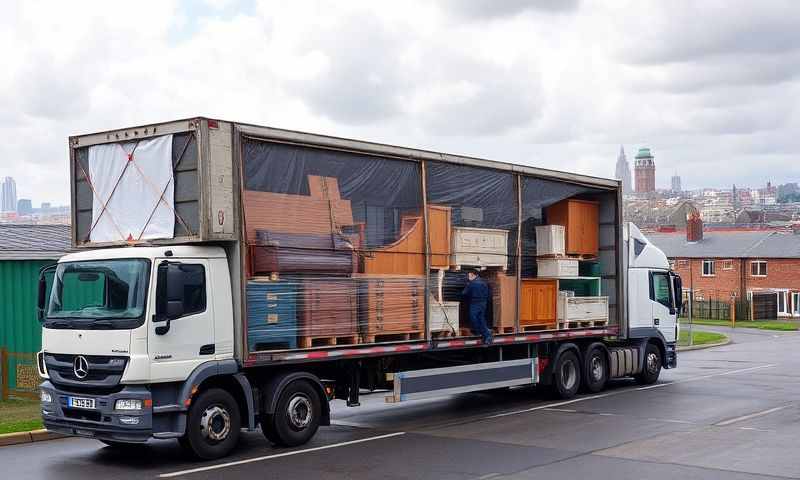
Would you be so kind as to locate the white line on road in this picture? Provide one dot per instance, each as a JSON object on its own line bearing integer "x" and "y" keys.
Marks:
{"x": 669, "y": 420}
{"x": 277, "y": 455}
{"x": 752, "y": 415}
{"x": 619, "y": 392}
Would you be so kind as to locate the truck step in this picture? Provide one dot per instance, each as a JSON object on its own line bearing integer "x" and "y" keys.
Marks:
{"x": 327, "y": 341}
{"x": 393, "y": 337}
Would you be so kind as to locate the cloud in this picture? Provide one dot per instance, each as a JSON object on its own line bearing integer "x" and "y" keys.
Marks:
{"x": 711, "y": 88}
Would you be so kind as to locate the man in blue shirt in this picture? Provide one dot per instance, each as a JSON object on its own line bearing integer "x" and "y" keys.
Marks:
{"x": 476, "y": 294}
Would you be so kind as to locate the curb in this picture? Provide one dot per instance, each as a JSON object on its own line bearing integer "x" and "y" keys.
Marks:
{"x": 17, "y": 438}
{"x": 704, "y": 346}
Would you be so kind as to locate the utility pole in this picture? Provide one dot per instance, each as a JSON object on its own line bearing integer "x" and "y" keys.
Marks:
{"x": 691, "y": 302}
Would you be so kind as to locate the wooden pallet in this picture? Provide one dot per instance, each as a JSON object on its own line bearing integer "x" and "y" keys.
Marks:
{"x": 443, "y": 334}
{"x": 569, "y": 256}
{"x": 393, "y": 337}
{"x": 536, "y": 328}
{"x": 502, "y": 330}
{"x": 327, "y": 341}
{"x": 582, "y": 324}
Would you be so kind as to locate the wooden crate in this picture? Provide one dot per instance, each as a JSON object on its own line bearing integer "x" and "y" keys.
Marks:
{"x": 479, "y": 247}
{"x": 550, "y": 240}
{"x": 557, "y": 267}
{"x": 328, "y": 308}
{"x": 504, "y": 301}
{"x": 582, "y": 309}
{"x": 391, "y": 305}
{"x": 538, "y": 299}
{"x": 581, "y": 221}
{"x": 443, "y": 317}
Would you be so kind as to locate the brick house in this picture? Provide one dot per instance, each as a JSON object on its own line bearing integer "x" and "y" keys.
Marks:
{"x": 760, "y": 266}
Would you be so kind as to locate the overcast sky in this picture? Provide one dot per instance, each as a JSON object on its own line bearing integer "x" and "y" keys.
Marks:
{"x": 712, "y": 87}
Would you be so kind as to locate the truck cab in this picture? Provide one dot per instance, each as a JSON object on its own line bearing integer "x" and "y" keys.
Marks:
{"x": 131, "y": 324}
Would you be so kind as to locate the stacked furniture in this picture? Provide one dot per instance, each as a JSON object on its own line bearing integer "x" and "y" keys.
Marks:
{"x": 537, "y": 308}
{"x": 581, "y": 222}
{"x": 328, "y": 312}
{"x": 271, "y": 314}
{"x": 391, "y": 307}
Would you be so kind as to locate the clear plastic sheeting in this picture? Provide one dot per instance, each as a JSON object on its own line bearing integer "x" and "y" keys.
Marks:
{"x": 342, "y": 249}
{"x": 133, "y": 190}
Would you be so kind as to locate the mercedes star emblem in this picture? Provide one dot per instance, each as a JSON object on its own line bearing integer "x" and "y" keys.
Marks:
{"x": 81, "y": 367}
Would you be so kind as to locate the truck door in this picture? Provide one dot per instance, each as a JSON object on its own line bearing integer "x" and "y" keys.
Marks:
{"x": 181, "y": 332}
{"x": 661, "y": 300}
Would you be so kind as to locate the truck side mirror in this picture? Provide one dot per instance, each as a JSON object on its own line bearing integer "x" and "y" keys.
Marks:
{"x": 169, "y": 294}
{"x": 677, "y": 286}
{"x": 46, "y": 275}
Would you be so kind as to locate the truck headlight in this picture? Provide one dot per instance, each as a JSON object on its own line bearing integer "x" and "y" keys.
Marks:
{"x": 45, "y": 396}
{"x": 128, "y": 404}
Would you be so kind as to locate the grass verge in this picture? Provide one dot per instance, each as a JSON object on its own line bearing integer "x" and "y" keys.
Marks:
{"x": 700, "y": 338}
{"x": 20, "y": 416}
{"x": 759, "y": 324}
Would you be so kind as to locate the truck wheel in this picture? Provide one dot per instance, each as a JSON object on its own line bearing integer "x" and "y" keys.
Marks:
{"x": 296, "y": 417}
{"x": 213, "y": 426}
{"x": 595, "y": 370}
{"x": 652, "y": 365}
{"x": 567, "y": 375}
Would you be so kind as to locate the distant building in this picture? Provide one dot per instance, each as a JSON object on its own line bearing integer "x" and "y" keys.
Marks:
{"x": 45, "y": 206}
{"x": 756, "y": 265}
{"x": 676, "y": 184}
{"x": 24, "y": 206}
{"x": 623, "y": 171}
{"x": 645, "y": 171}
{"x": 8, "y": 195}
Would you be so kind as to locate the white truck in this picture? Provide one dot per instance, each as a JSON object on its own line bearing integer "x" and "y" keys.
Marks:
{"x": 200, "y": 302}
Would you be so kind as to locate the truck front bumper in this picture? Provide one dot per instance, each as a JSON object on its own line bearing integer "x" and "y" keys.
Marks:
{"x": 103, "y": 422}
{"x": 672, "y": 356}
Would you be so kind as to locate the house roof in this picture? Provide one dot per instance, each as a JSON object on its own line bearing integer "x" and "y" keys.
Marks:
{"x": 33, "y": 242}
{"x": 727, "y": 244}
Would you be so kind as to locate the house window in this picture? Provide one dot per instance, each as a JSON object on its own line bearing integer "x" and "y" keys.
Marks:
{"x": 727, "y": 264}
{"x": 758, "y": 268}
{"x": 708, "y": 268}
{"x": 783, "y": 304}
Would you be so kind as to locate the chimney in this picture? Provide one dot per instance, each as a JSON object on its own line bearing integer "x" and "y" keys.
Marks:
{"x": 694, "y": 227}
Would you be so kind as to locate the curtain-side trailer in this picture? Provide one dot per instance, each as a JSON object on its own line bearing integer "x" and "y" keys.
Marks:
{"x": 230, "y": 276}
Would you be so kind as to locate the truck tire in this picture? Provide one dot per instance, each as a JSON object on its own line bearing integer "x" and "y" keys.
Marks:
{"x": 567, "y": 375}
{"x": 651, "y": 367}
{"x": 595, "y": 370}
{"x": 213, "y": 425}
{"x": 297, "y": 415}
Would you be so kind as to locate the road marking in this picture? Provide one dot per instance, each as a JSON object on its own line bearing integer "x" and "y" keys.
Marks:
{"x": 619, "y": 392}
{"x": 347, "y": 423}
{"x": 669, "y": 420}
{"x": 488, "y": 476}
{"x": 752, "y": 415}
{"x": 565, "y": 410}
{"x": 277, "y": 455}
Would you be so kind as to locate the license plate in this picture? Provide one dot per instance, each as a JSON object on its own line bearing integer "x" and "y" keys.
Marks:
{"x": 78, "y": 402}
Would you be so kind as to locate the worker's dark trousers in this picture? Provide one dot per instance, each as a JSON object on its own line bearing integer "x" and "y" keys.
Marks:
{"x": 477, "y": 319}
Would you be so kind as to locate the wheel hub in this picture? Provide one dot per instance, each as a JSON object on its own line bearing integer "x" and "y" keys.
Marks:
{"x": 215, "y": 423}
{"x": 568, "y": 375}
{"x": 597, "y": 369}
{"x": 652, "y": 362}
{"x": 299, "y": 411}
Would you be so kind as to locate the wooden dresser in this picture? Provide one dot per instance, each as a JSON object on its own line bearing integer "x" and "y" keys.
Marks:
{"x": 504, "y": 301}
{"x": 391, "y": 307}
{"x": 581, "y": 221}
{"x": 327, "y": 310}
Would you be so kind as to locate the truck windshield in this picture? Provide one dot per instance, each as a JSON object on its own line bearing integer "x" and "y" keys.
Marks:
{"x": 99, "y": 294}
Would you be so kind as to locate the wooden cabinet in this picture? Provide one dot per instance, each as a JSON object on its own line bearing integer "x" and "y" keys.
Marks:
{"x": 439, "y": 232}
{"x": 391, "y": 305}
{"x": 504, "y": 301}
{"x": 271, "y": 315}
{"x": 538, "y": 299}
{"x": 581, "y": 221}
{"x": 327, "y": 309}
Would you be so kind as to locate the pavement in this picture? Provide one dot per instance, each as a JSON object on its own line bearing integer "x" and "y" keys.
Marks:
{"x": 729, "y": 412}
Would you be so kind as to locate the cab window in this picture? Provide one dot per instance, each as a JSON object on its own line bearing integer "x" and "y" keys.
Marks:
{"x": 659, "y": 289}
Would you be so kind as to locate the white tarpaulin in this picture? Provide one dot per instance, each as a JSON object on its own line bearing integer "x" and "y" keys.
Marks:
{"x": 133, "y": 199}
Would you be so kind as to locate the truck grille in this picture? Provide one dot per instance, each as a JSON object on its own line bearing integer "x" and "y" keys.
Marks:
{"x": 101, "y": 371}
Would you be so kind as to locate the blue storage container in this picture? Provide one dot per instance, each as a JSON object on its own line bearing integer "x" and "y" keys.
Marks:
{"x": 271, "y": 315}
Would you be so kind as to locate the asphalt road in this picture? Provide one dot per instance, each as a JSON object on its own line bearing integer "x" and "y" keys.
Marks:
{"x": 731, "y": 412}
